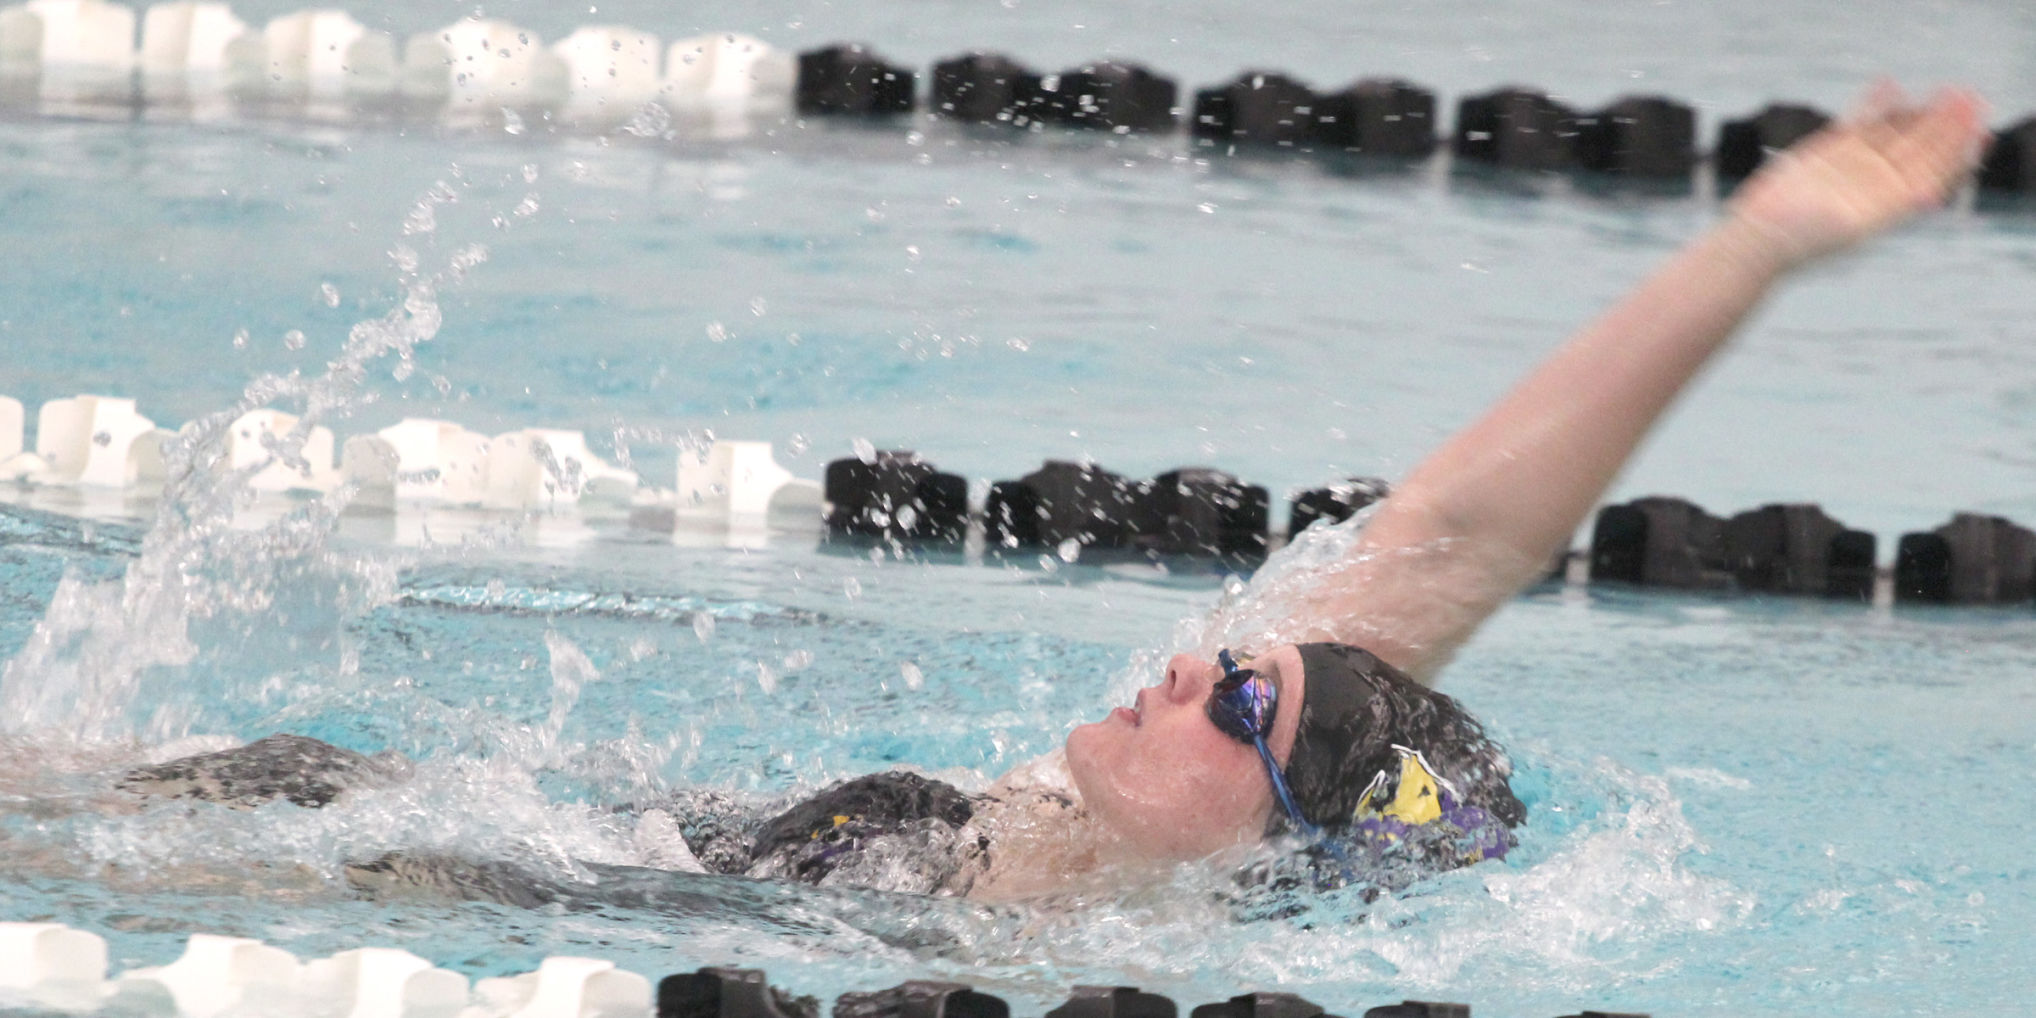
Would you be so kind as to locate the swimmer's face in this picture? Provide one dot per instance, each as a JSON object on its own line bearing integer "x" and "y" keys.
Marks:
{"x": 1163, "y": 778}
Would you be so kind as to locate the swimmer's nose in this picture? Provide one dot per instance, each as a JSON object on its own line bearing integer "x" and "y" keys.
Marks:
{"x": 1189, "y": 679}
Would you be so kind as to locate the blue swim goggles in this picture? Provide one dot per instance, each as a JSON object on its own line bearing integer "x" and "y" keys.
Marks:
{"x": 1242, "y": 706}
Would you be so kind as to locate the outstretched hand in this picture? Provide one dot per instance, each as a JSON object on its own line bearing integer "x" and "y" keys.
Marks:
{"x": 1890, "y": 159}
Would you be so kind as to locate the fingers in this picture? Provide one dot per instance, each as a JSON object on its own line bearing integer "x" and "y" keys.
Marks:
{"x": 1939, "y": 144}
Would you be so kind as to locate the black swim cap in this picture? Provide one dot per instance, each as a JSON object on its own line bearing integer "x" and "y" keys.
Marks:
{"x": 1357, "y": 708}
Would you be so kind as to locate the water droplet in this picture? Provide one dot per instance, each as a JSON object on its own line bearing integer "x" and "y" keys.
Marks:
{"x": 703, "y": 626}
{"x": 852, "y": 587}
{"x": 1206, "y": 207}
{"x": 797, "y": 444}
{"x": 512, "y": 122}
{"x": 797, "y": 659}
{"x": 1049, "y": 563}
{"x": 329, "y": 294}
{"x": 293, "y": 339}
{"x": 717, "y": 332}
{"x": 102, "y": 439}
{"x": 912, "y": 252}
{"x": 1069, "y": 550}
{"x": 757, "y": 306}
{"x": 865, "y": 450}
{"x": 766, "y": 679}
{"x": 953, "y": 202}
{"x": 914, "y": 678}
{"x": 497, "y": 590}
{"x": 530, "y": 173}
{"x": 1018, "y": 343}
{"x": 240, "y": 339}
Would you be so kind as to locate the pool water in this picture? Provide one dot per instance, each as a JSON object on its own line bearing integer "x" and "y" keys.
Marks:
{"x": 1736, "y": 804}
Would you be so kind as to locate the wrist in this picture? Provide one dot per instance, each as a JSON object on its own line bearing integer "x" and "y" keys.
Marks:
{"x": 1758, "y": 247}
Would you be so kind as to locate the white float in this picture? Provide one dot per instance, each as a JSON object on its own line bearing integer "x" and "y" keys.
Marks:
{"x": 611, "y": 72}
{"x": 50, "y": 960}
{"x": 248, "y": 444}
{"x": 477, "y": 68}
{"x": 79, "y": 54}
{"x": 97, "y": 441}
{"x": 186, "y": 56}
{"x": 729, "y": 492}
{"x": 214, "y": 974}
{"x": 322, "y": 58}
{"x": 382, "y": 982}
{"x": 726, "y": 78}
{"x": 567, "y": 988}
{"x": 418, "y": 460}
{"x": 540, "y": 468}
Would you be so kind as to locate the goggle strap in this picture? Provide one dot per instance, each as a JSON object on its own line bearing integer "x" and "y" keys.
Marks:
{"x": 1280, "y": 789}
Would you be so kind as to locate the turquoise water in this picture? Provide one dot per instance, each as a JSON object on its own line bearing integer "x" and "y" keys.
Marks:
{"x": 1737, "y": 804}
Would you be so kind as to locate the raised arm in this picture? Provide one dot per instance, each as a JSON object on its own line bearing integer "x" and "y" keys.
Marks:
{"x": 1487, "y": 513}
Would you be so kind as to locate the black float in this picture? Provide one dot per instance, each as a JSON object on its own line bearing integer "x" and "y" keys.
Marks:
{"x": 1516, "y": 128}
{"x": 1419, "y": 1009}
{"x": 895, "y": 495}
{"x": 1797, "y": 549}
{"x": 1260, "y": 1005}
{"x": 850, "y": 79}
{"x": 1335, "y": 503}
{"x": 1109, "y": 96}
{"x": 985, "y": 88}
{"x": 1204, "y": 512}
{"x": 1114, "y": 1002}
{"x": 1659, "y": 542}
{"x": 1378, "y": 117}
{"x": 2010, "y": 163}
{"x": 922, "y": 999}
{"x": 1744, "y": 144}
{"x": 1259, "y": 108}
{"x": 728, "y": 993}
{"x": 1973, "y": 559}
{"x": 1640, "y": 136}
{"x": 1063, "y": 501}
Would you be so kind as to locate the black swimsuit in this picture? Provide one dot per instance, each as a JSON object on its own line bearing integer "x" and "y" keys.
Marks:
{"x": 894, "y": 831}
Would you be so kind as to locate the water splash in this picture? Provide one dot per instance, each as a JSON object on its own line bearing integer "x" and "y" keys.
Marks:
{"x": 115, "y": 660}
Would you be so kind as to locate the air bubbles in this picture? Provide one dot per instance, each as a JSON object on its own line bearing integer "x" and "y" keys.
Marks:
{"x": 512, "y": 121}
{"x": 329, "y": 294}
{"x": 953, "y": 202}
{"x": 1048, "y": 563}
{"x": 530, "y": 173}
{"x": 797, "y": 444}
{"x": 914, "y": 678}
{"x": 757, "y": 306}
{"x": 1206, "y": 208}
{"x": 703, "y": 626}
{"x": 240, "y": 339}
{"x": 865, "y": 450}
{"x": 1069, "y": 550}
{"x": 1019, "y": 343}
{"x": 717, "y": 332}
{"x": 766, "y": 678}
{"x": 851, "y": 588}
{"x": 293, "y": 339}
{"x": 797, "y": 661}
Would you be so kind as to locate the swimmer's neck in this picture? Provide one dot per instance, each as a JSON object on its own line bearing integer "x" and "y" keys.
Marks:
{"x": 1044, "y": 844}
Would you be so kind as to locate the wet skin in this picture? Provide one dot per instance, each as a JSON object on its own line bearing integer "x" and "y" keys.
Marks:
{"x": 1165, "y": 781}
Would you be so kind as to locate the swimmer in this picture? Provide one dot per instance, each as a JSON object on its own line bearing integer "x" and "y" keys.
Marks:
{"x": 1335, "y": 739}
